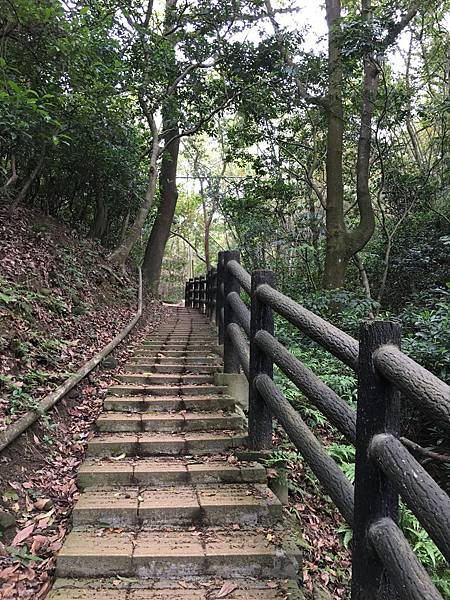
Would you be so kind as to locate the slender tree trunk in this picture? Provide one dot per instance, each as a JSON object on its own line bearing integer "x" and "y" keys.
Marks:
{"x": 100, "y": 222}
{"x": 14, "y": 177}
{"x": 359, "y": 236}
{"x": 207, "y": 220}
{"x": 206, "y": 244}
{"x": 336, "y": 259}
{"x": 26, "y": 186}
{"x": 343, "y": 244}
{"x": 121, "y": 253}
{"x": 125, "y": 226}
{"x": 160, "y": 232}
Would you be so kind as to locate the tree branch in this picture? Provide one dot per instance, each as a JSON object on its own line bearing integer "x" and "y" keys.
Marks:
{"x": 181, "y": 236}
{"x": 396, "y": 29}
{"x": 424, "y": 451}
{"x": 148, "y": 13}
{"x": 192, "y": 67}
{"x": 319, "y": 100}
{"x": 205, "y": 119}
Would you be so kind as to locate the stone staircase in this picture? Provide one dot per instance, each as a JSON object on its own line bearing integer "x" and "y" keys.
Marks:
{"x": 167, "y": 511}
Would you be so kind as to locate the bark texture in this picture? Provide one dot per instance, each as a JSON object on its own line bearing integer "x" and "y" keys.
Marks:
{"x": 160, "y": 232}
{"x": 120, "y": 254}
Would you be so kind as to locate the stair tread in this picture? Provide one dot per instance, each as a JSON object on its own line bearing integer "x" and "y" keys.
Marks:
{"x": 158, "y": 589}
{"x": 165, "y": 403}
{"x": 163, "y": 499}
{"x": 166, "y": 552}
{"x": 154, "y": 443}
{"x": 167, "y": 436}
{"x": 146, "y": 389}
{"x": 206, "y": 501}
{"x": 169, "y": 377}
{"x": 175, "y": 416}
{"x": 164, "y": 421}
{"x": 165, "y": 471}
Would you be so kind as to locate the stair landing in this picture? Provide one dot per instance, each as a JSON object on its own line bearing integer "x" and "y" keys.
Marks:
{"x": 166, "y": 510}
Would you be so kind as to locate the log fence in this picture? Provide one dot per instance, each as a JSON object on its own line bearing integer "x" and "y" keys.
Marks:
{"x": 384, "y": 567}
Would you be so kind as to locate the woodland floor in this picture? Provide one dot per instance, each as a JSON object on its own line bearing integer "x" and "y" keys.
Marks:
{"x": 38, "y": 473}
{"x": 58, "y": 306}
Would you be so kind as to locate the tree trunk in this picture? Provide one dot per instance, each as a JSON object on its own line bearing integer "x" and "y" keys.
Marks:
{"x": 121, "y": 253}
{"x": 154, "y": 252}
{"x": 206, "y": 245}
{"x": 125, "y": 226}
{"x": 26, "y": 186}
{"x": 342, "y": 244}
{"x": 207, "y": 220}
{"x": 14, "y": 177}
{"x": 336, "y": 259}
{"x": 100, "y": 222}
{"x": 358, "y": 237}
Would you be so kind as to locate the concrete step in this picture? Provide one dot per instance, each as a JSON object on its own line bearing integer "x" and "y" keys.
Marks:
{"x": 186, "y": 327}
{"x": 181, "y": 506}
{"x": 176, "y": 354}
{"x": 188, "y": 347}
{"x": 206, "y": 402}
{"x": 165, "y": 444}
{"x": 166, "y": 471}
{"x": 180, "y": 342}
{"x": 183, "y": 338}
{"x": 162, "y": 359}
{"x": 198, "y": 588}
{"x": 182, "y": 421}
{"x": 128, "y": 389}
{"x": 168, "y": 367}
{"x": 164, "y": 379}
{"x": 177, "y": 554}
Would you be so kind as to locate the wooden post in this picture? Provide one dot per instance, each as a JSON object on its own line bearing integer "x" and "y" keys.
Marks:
{"x": 213, "y": 317}
{"x": 219, "y": 297}
{"x": 208, "y": 292}
{"x": 259, "y": 415}
{"x": 231, "y": 362}
{"x": 191, "y": 293}
{"x": 196, "y": 292}
{"x": 202, "y": 294}
{"x": 378, "y": 411}
{"x": 186, "y": 293}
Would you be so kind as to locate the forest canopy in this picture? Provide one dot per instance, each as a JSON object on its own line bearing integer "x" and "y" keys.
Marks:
{"x": 177, "y": 129}
{"x": 312, "y": 137}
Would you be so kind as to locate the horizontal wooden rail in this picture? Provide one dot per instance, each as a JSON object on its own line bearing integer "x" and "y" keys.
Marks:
{"x": 240, "y": 344}
{"x": 324, "y": 398}
{"x": 241, "y": 275}
{"x": 340, "y": 344}
{"x": 383, "y": 564}
{"x": 240, "y": 310}
{"x": 25, "y": 421}
{"x": 336, "y": 484}
{"x": 425, "y": 498}
{"x": 403, "y": 566}
{"x": 429, "y": 393}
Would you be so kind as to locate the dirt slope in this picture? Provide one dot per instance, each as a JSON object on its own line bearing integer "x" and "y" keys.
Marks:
{"x": 58, "y": 305}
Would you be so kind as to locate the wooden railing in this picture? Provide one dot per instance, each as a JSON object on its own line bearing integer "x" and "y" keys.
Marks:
{"x": 384, "y": 566}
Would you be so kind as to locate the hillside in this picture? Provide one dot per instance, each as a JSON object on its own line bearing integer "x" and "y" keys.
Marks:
{"x": 59, "y": 304}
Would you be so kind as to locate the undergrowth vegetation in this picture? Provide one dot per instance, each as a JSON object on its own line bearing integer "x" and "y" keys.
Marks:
{"x": 58, "y": 305}
{"x": 425, "y": 338}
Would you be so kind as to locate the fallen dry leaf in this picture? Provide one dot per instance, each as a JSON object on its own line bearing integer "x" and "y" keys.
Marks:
{"x": 227, "y": 588}
{"x": 23, "y": 535}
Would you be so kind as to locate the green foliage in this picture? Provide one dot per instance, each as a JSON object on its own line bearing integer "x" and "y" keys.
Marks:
{"x": 426, "y": 334}
{"x": 427, "y": 328}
